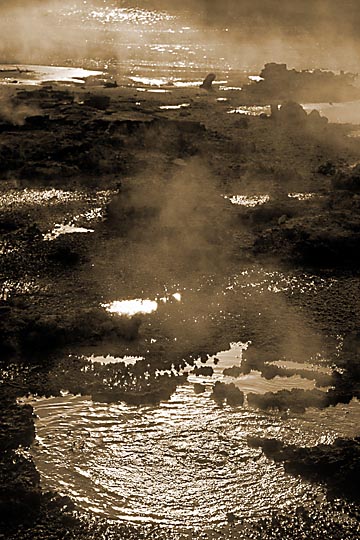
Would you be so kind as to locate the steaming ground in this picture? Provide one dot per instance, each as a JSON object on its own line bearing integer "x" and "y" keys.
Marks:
{"x": 159, "y": 198}
{"x": 166, "y": 234}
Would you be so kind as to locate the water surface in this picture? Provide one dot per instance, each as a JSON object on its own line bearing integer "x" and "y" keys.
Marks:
{"x": 186, "y": 463}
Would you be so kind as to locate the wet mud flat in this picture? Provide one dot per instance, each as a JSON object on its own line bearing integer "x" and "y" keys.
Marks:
{"x": 237, "y": 228}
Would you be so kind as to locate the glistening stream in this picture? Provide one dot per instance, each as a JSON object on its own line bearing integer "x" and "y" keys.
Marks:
{"x": 186, "y": 462}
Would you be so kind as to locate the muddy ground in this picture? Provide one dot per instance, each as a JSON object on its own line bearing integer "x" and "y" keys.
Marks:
{"x": 154, "y": 186}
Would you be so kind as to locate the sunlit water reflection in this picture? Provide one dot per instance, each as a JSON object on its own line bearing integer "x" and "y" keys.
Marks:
{"x": 131, "y": 307}
{"x": 65, "y": 229}
{"x": 75, "y": 208}
{"x": 143, "y": 48}
{"x": 184, "y": 463}
{"x": 151, "y": 44}
{"x": 251, "y": 110}
{"x": 342, "y": 113}
{"x": 135, "y": 43}
{"x": 114, "y": 360}
{"x": 37, "y": 74}
{"x": 248, "y": 200}
{"x": 251, "y": 201}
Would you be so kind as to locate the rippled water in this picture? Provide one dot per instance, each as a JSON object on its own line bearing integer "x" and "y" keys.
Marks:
{"x": 184, "y": 463}
{"x": 137, "y": 44}
{"x": 150, "y": 44}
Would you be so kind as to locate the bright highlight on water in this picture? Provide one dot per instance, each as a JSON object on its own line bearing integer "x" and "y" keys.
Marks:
{"x": 131, "y": 307}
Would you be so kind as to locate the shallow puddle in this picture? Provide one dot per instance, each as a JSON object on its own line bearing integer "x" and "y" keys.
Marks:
{"x": 249, "y": 201}
{"x": 127, "y": 360}
{"x": 131, "y": 307}
{"x": 37, "y": 197}
{"x": 251, "y": 110}
{"x": 18, "y": 197}
{"x": 60, "y": 229}
{"x": 174, "y": 107}
{"x": 304, "y": 196}
{"x": 186, "y": 462}
{"x": 137, "y": 306}
{"x": 253, "y": 382}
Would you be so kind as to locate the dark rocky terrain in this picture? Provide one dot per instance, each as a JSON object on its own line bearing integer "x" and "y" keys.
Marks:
{"x": 75, "y": 140}
{"x": 279, "y": 84}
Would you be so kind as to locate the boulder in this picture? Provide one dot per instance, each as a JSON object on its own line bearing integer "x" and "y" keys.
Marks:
{"x": 316, "y": 120}
{"x": 327, "y": 169}
{"x": 97, "y": 102}
{"x": 199, "y": 388}
{"x": 205, "y": 371}
{"x": 207, "y": 83}
{"x": 229, "y": 392}
{"x": 234, "y": 371}
{"x": 291, "y": 112}
{"x": 348, "y": 179}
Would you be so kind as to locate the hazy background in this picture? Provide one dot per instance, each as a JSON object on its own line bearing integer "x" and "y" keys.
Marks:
{"x": 235, "y": 33}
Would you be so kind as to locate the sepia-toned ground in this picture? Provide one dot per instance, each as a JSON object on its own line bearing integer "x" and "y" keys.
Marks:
{"x": 211, "y": 403}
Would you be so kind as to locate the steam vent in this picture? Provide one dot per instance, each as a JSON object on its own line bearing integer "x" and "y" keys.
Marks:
{"x": 179, "y": 270}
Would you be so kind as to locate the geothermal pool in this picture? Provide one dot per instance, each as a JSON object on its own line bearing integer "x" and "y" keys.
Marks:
{"x": 186, "y": 463}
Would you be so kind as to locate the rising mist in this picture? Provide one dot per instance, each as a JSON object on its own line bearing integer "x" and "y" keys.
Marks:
{"x": 245, "y": 34}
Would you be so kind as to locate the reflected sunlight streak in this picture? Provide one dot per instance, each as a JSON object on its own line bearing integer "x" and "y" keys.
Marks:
{"x": 131, "y": 307}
